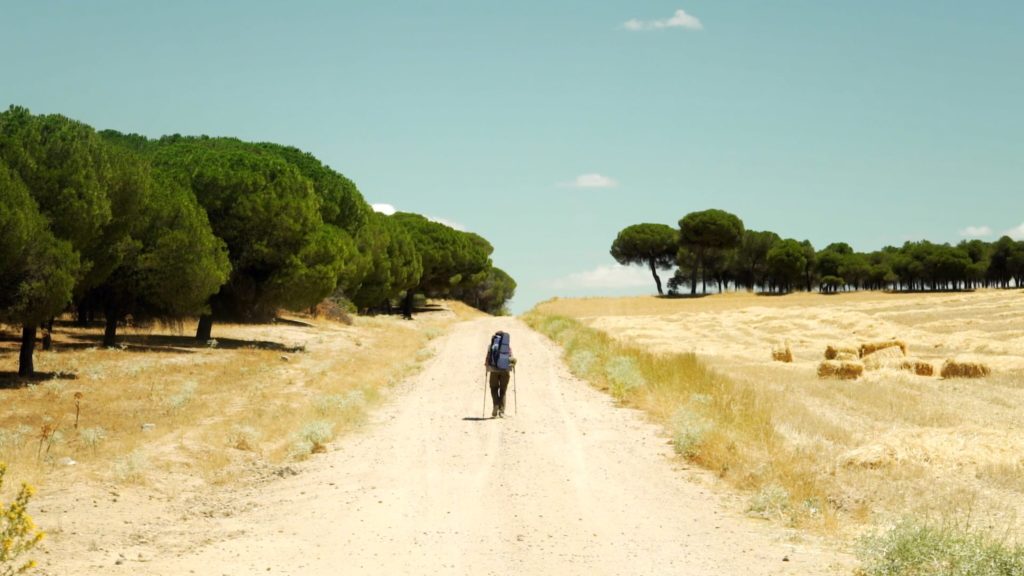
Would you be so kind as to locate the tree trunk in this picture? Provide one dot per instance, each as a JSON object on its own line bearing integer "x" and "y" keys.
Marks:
{"x": 657, "y": 280}
{"x": 205, "y": 327}
{"x": 28, "y": 343}
{"x": 48, "y": 335}
{"x": 110, "y": 332}
{"x": 407, "y": 304}
{"x": 81, "y": 316}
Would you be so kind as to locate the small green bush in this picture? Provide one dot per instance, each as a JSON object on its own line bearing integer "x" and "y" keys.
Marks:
{"x": 912, "y": 548}
{"x": 689, "y": 430}
{"x": 623, "y": 376}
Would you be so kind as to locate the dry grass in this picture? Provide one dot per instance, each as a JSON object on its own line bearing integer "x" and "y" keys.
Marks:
{"x": 961, "y": 369}
{"x": 714, "y": 421}
{"x": 162, "y": 410}
{"x": 897, "y": 440}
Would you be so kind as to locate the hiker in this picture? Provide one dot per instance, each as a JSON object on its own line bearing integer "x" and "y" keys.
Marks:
{"x": 499, "y": 362}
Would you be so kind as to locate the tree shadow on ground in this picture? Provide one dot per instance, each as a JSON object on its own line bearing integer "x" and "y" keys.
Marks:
{"x": 171, "y": 343}
{"x": 682, "y": 296}
{"x": 11, "y": 380}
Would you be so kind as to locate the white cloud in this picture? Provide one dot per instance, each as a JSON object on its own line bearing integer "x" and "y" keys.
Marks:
{"x": 607, "y": 276}
{"x": 592, "y": 181}
{"x": 1016, "y": 233}
{"x": 976, "y": 232}
{"x": 448, "y": 223}
{"x": 680, "y": 19}
{"x": 386, "y": 209}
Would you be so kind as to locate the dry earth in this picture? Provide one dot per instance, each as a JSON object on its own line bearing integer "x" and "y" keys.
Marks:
{"x": 567, "y": 484}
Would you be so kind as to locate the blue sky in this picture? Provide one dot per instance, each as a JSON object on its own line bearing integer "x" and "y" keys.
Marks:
{"x": 549, "y": 126}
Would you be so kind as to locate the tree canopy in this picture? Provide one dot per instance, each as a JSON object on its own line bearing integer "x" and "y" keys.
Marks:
{"x": 651, "y": 245}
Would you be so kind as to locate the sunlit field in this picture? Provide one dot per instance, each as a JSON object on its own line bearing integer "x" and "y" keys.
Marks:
{"x": 166, "y": 411}
{"x": 884, "y": 446}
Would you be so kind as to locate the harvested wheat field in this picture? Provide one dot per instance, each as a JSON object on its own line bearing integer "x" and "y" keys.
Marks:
{"x": 895, "y": 440}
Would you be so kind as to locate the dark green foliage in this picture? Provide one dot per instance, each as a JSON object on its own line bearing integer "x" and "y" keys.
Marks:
{"x": 341, "y": 203}
{"x": 707, "y": 231}
{"x": 651, "y": 245}
{"x": 447, "y": 254}
{"x": 37, "y": 270}
{"x": 785, "y": 264}
{"x": 391, "y": 264}
{"x": 268, "y": 215}
{"x": 750, "y": 265}
{"x": 66, "y": 169}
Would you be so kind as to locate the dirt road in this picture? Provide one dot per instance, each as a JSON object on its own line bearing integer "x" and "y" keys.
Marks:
{"x": 568, "y": 485}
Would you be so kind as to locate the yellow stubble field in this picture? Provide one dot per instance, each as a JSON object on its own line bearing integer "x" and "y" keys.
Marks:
{"x": 892, "y": 443}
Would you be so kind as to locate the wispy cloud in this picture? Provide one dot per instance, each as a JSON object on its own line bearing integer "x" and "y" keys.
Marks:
{"x": 592, "y": 181}
{"x": 610, "y": 276}
{"x": 1016, "y": 233}
{"x": 386, "y": 209}
{"x": 976, "y": 232}
{"x": 680, "y": 19}
{"x": 448, "y": 223}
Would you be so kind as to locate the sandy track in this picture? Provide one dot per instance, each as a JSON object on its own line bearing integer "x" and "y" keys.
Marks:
{"x": 569, "y": 485}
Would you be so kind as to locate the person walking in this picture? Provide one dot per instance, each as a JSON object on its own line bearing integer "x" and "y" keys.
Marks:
{"x": 497, "y": 373}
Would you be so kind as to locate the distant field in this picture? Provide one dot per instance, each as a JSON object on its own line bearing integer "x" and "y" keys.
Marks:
{"x": 891, "y": 443}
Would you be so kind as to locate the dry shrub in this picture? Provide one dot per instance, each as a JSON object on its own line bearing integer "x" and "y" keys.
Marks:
{"x": 872, "y": 347}
{"x": 919, "y": 367}
{"x": 958, "y": 369}
{"x": 832, "y": 352}
{"x": 890, "y": 357}
{"x": 335, "y": 309}
{"x": 782, "y": 354}
{"x": 842, "y": 370}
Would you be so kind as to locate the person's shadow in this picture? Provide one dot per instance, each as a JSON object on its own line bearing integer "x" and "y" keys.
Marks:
{"x": 475, "y": 419}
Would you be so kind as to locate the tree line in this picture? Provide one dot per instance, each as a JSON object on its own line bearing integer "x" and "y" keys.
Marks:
{"x": 114, "y": 225}
{"x": 713, "y": 247}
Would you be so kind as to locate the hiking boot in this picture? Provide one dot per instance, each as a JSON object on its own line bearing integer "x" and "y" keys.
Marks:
{"x": 494, "y": 413}
{"x": 501, "y": 413}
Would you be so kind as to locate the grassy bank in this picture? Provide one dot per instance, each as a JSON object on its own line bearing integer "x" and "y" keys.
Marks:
{"x": 714, "y": 421}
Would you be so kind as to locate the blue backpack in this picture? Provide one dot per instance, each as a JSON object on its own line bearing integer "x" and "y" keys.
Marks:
{"x": 500, "y": 352}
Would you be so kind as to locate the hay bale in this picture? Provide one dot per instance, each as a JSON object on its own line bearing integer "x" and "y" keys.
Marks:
{"x": 832, "y": 351}
{"x": 959, "y": 369}
{"x": 872, "y": 347}
{"x": 919, "y": 367}
{"x": 890, "y": 357}
{"x": 847, "y": 356}
{"x": 782, "y": 354}
{"x": 848, "y": 370}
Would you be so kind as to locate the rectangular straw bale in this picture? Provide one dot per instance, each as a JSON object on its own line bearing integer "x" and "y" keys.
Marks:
{"x": 848, "y": 370}
{"x": 872, "y": 347}
{"x": 782, "y": 354}
{"x": 958, "y": 369}
{"x": 890, "y": 357}
{"x": 833, "y": 351}
{"x": 919, "y": 367}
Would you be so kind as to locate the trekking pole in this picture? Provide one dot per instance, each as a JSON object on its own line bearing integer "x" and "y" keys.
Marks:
{"x": 483, "y": 411}
{"x": 515, "y": 391}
